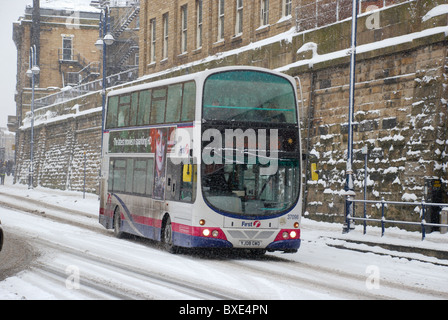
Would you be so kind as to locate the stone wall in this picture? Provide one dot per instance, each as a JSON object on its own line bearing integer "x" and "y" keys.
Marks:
{"x": 400, "y": 116}
{"x": 67, "y": 138}
{"x": 400, "y": 109}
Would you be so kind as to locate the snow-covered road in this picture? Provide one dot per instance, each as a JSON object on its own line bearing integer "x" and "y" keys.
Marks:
{"x": 75, "y": 258}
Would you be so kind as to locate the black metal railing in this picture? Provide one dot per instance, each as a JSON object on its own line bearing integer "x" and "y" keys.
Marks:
{"x": 383, "y": 220}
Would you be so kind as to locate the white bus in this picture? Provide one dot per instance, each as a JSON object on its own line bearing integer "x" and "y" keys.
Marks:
{"x": 207, "y": 160}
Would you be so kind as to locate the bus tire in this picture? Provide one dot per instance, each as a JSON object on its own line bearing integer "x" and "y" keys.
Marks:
{"x": 167, "y": 235}
{"x": 117, "y": 223}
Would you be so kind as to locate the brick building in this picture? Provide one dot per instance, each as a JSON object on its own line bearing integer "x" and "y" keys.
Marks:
{"x": 184, "y": 31}
{"x": 64, "y": 35}
{"x": 64, "y": 39}
{"x": 7, "y": 145}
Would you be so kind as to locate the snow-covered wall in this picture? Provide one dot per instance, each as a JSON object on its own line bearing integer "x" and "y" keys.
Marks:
{"x": 401, "y": 110}
{"x": 400, "y": 116}
{"x": 67, "y": 139}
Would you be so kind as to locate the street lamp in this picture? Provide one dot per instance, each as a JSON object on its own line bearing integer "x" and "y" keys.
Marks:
{"x": 349, "y": 187}
{"x": 105, "y": 39}
{"x": 33, "y": 71}
{"x": 99, "y": 44}
{"x": 108, "y": 40}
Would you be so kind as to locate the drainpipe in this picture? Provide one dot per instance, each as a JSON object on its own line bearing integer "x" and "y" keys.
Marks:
{"x": 35, "y": 34}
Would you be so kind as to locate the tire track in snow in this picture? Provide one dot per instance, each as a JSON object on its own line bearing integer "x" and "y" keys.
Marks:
{"x": 122, "y": 280}
{"x": 272, "y": 269}
{"x": 335, "y": 282}
{"x": 96, "y": 284}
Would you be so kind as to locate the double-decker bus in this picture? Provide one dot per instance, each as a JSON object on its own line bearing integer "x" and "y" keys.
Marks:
{"x": 207, "y": 160}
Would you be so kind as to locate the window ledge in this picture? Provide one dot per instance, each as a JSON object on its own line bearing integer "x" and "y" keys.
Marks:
{"x": 219, "y": 43}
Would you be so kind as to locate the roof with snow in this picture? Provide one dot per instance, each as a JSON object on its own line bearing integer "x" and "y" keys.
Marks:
{"x": 68, "y": 5}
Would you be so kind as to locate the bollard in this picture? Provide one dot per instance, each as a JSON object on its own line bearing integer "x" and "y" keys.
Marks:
{"x": 444, "y": 220}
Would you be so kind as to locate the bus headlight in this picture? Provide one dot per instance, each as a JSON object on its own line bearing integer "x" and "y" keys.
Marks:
{"x": 209, "y": 232}
{"x": 288, "y": 234}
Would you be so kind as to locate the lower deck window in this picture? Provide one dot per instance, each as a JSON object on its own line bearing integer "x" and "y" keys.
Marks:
{"x": 134, "y": 176}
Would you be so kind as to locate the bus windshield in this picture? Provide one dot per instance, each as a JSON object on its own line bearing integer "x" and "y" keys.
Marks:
{"x": 251, "y": 95}
{"x": 251, "y": 147}
{"x": 240, "y": 189}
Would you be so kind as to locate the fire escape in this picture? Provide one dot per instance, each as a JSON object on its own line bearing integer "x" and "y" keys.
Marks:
{"x": 71, "y": 60}
{"x": 124, "y": 52}
{"x": 123, "y": 55}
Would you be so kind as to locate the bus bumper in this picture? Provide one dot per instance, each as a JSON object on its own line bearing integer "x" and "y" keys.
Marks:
{"x": 192, "y": 241}
{"x": 289, "y": 246}
{"x": 200, "y": 242}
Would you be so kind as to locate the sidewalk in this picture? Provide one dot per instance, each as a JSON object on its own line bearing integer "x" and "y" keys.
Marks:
{"x": 66, "y": 200}
{"x": 408, "y": 244}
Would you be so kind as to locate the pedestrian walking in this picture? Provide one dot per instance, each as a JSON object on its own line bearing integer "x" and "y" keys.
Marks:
{"x": 2, "y": 172}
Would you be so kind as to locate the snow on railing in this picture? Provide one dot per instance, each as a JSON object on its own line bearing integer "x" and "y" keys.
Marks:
{"x": 69, "y": 92}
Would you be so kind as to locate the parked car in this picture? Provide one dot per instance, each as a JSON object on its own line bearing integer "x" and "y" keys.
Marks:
{"x": 1, "y": 236}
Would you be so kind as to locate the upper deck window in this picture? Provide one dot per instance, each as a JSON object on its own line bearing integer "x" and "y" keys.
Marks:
{"x": 162, "y": 105}
{"x": 249, "y": 96}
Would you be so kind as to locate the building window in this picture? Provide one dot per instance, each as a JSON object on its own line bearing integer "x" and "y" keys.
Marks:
{"x": 264, "y": 12}
{"x": 67, "y": 47}
{"x": 184, "y": 18}
{"x": 286, "y": 8}
{"x": 220, "y": 20}
{"x": 198, "y": 23}
{"x": 239, "y": 17}
{"x": 165, "y": 37}
{"x": 153, "y": 40}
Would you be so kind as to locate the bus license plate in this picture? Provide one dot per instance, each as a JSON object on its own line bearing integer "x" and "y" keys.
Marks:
{"x": 250, "y": 243}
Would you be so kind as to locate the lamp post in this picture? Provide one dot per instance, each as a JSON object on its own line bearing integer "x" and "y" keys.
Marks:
{"x": 33, "y": 71}
{"x": 349, "y": 187}
{"x": 105, "y": 39}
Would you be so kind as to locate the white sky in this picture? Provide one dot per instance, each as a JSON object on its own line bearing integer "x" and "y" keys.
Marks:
{"x": 11, "y": 10}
